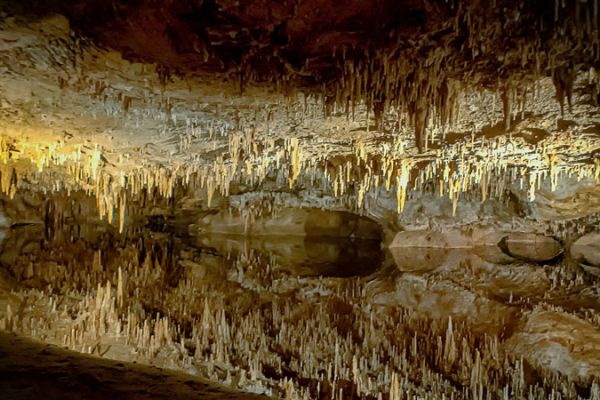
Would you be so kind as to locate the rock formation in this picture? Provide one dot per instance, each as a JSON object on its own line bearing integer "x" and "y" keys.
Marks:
{"x": 305, "y": 199}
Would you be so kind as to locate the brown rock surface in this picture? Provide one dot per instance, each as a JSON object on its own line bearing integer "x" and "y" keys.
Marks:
{"x": 586, "y": 249}
{"x": 560, "y": 342}
{"x": 532, "y": 247}
{"x": 290, "y": 222}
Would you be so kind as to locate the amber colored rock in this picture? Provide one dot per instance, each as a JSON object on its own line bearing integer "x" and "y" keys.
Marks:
{"x": 429, "y": 239}
{"x": 531, "y": 247}
{"x": 291, "y": 222}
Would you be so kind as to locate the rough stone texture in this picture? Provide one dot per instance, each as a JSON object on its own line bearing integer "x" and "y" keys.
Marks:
{"x": 560, "y": 342}
{"x": 586, "y": 249}
{"x": 59, "y": 88}
{"x": 571, "y": 199}
{"x": 532, "y": 247}
{"x": 428, "y": 239}
{"x": 213, "y": 35}
{"x": 290, "y": 222}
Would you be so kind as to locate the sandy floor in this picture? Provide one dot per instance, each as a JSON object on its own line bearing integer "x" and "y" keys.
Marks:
{"x": 33, "y": 370}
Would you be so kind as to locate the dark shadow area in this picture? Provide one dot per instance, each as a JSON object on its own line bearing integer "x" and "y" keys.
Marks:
{"x": 33, "y": 370}
{"x": 303, "y": 256}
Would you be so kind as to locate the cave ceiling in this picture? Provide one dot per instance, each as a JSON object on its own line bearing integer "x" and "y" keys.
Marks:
{"x": 221, "y": 97}
{"x": 315, "y": 44}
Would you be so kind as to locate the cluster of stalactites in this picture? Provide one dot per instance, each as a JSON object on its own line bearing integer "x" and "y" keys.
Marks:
{"x": 486, "y": 167}
{"x": 23, "y": 163}
{"x": 483, "y": 167}
{"x": 110, "y": 295}
{"x": 504, "y": 47}
{"x": 421, "y": 90}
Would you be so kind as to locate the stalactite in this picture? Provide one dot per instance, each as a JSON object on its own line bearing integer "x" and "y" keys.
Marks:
{"x": 295, "y": 155}
{"x": 563, "y": 78}
{"x": 506, "y": 107}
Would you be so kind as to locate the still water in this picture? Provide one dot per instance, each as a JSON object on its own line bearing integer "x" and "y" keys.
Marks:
{"x": 308, "y": 317}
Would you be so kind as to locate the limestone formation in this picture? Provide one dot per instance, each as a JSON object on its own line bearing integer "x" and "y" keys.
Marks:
{"x": 586, "y": 249}
{"x": 531, "y": 246}
{"x": 307, "y": 199}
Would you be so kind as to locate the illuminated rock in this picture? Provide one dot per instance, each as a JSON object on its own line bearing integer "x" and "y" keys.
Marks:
{"x": 431, "y": 239}
{"x": 272, "y": 147}
{"x": 290, "y": 222}
{"x": 531, "y": 246}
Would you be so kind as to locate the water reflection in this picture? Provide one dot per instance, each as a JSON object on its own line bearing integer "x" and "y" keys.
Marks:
{"x": 484, "y": 268}
{"x": 302, "y": 255}
{"x": 323, "y": 313}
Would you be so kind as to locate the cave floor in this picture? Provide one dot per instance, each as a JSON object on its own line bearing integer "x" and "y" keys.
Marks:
{"x": 30, "y": 369}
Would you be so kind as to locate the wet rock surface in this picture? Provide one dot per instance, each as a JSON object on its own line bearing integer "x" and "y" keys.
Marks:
{"x": 560, "y": 342}
{"x": 532, "y": 247}
{"x": 586, "y": 249}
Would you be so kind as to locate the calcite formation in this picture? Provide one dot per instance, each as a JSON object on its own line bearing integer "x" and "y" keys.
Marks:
{"x": 305, "y": 199}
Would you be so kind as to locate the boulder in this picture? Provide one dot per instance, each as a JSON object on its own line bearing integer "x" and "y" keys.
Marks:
{"x": 426, "y": 250}
{"x": 473, "y": 236}
{"x": 531, "y": 246}
{"x": 558, "y": 342}
{"x": 303, "y": 222}
{"x": 430, "y": 239}
{"x": 421, "y": 259}
{"x": 586, "y": 249}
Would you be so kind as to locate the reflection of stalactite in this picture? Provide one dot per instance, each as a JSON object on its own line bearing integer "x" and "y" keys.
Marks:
{"x": 173, "y": 271}
{"x": 328, "y": 104}
{"x": 420, "y": 116}
{"x": 563, "y": 78}
{"x": 49, "y": 218}
{"x": 196, "y": 321}
{"x": 506, "y": 107}
{"x": 164, "y": 75}
{"x": 378, "y": 112}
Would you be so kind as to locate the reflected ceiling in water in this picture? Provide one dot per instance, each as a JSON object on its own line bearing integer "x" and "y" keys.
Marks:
{"x": 307, "y": 317}
{"x": 303, "y": 256}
